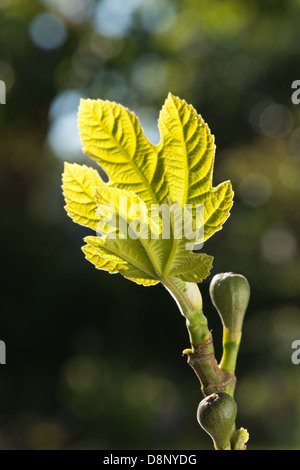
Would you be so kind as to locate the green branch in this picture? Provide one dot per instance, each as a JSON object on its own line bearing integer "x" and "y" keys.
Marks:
{"x": 201, "y": 356}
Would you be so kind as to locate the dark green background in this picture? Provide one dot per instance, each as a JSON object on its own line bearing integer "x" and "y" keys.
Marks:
{"x": 93, "y": 360}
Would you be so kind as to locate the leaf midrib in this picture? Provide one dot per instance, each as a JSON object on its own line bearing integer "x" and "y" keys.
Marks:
{"x": 131, "y": 161}
{"x": 133, "y": 261}
{"x": 186, "y": 178}
{"x": 173, "y": 251}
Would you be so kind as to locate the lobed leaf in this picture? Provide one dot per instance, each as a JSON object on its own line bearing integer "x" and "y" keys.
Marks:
{"x": 113, "y": 137}
{"x": 121, "y": 256}
{"x": 187, "y": 149}
{"x": 177, "y": 171}
{"x": 79, "y": 189}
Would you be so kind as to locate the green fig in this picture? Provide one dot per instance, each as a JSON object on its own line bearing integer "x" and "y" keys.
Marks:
{"x": 230, "y": 295}
{"x": 216, "y": 414}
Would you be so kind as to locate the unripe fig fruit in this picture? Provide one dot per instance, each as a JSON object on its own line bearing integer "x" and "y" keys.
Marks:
{"x": 216, "y": 414}
{"x": 230, "y": 295}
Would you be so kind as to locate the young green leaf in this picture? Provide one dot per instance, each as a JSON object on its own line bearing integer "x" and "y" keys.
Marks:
{"x": 112, "y": 135}
{"x": 79, "y": 189}
{"x": 123, "y": 256}
{"x": 192, "y": 267}
{"x": 133, "y": 222}
{"x": 178, "y": 171}
{"x": 187, "y": 149}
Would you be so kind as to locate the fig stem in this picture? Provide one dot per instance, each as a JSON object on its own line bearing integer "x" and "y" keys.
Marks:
{"x": 201, "y": 356}
{"x": 231, "y": 345}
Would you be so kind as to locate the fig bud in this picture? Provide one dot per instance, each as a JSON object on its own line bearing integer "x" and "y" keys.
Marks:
{"x": 230, "y": 295}
{"x": 216, "y": 414}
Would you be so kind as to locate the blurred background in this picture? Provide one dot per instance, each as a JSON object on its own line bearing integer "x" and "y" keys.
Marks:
{"x": 74, "y": 379}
